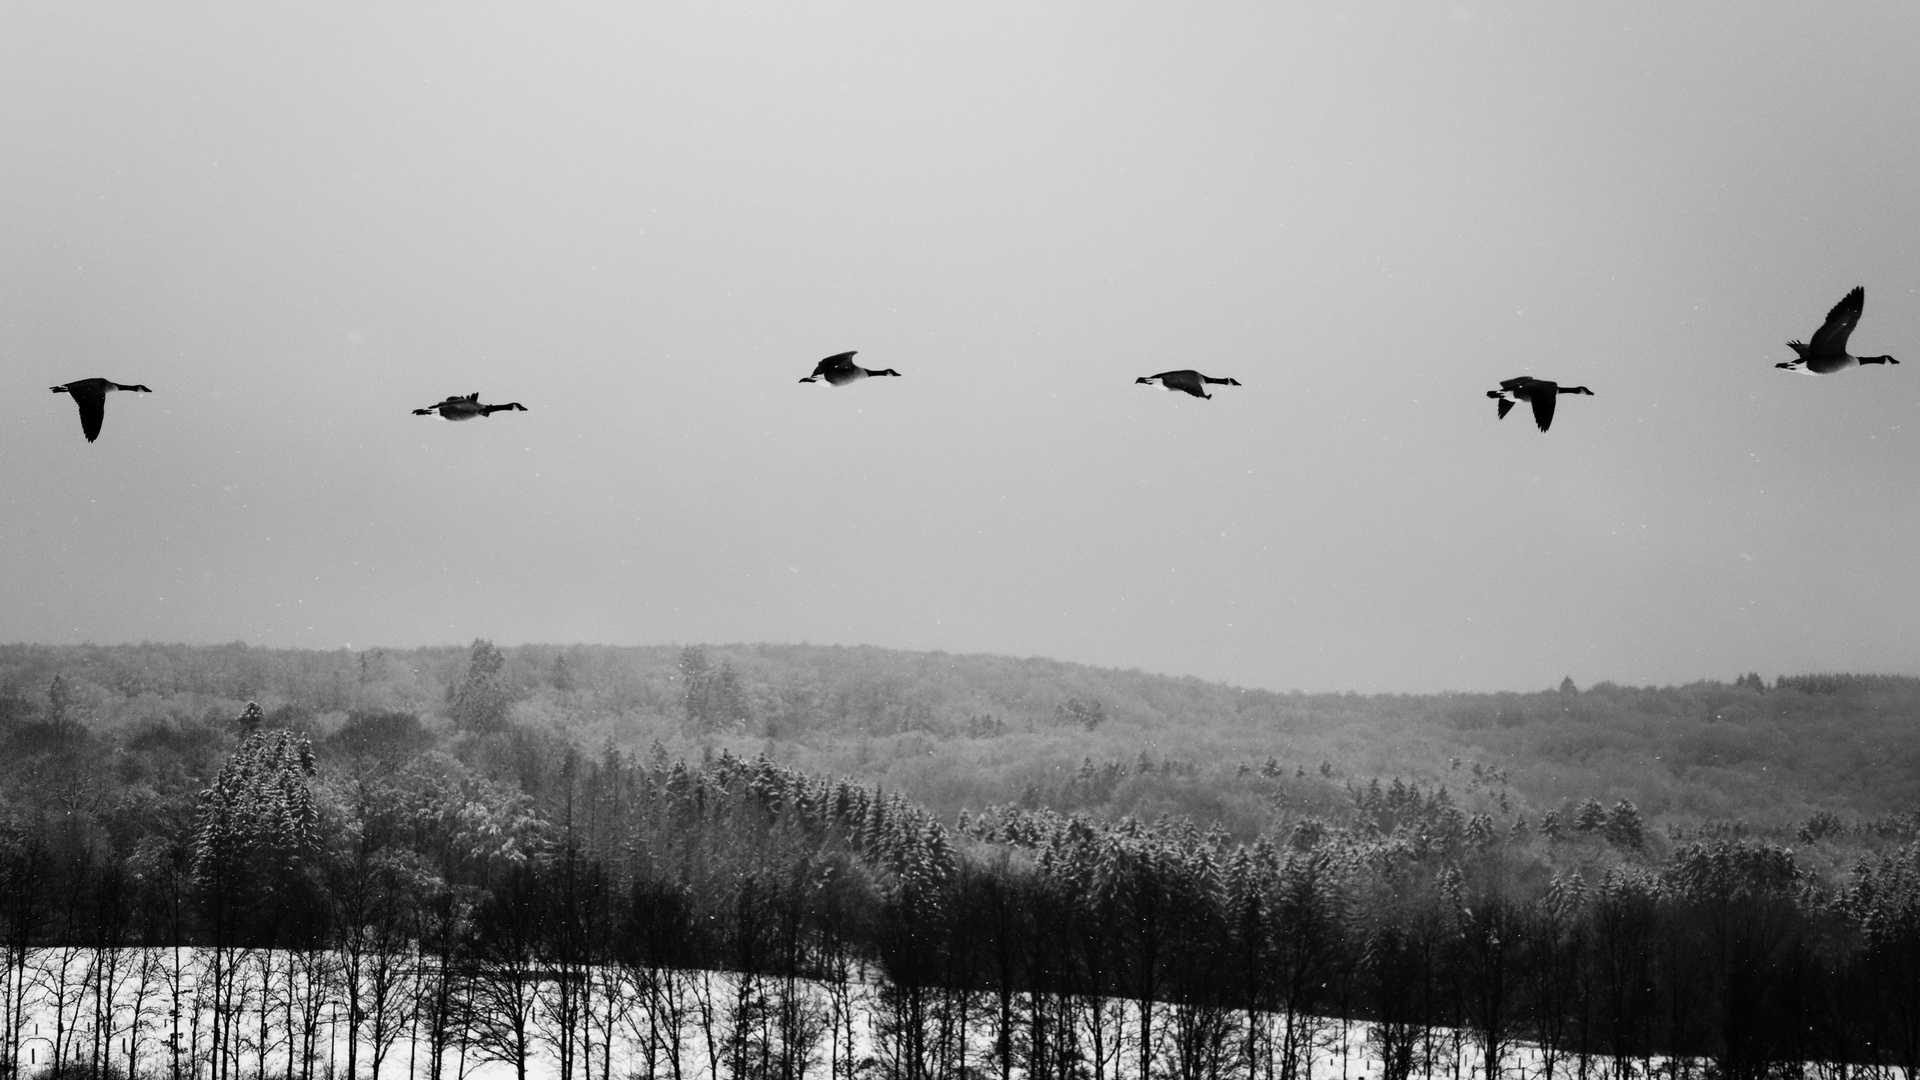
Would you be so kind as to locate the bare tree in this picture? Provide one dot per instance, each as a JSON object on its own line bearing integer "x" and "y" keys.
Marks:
{"x": 504, "y": 970}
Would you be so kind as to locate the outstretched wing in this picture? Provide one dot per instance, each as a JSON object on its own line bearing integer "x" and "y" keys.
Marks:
{"x": 1831, "y": 338}
{"x": 1186, "y": 380}
{"x": 1543, "y": 408}
{"x": 93, "y": 410}
{"x": 835, "y": 362}
{"x": 1506, "y": 406}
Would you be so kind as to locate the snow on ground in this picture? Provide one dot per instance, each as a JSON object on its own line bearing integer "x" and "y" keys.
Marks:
{"x": 162, "y": 1000}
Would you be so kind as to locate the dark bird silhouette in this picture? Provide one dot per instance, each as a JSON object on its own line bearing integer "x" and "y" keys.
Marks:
{"x": 91, "y": 396}
{"x": 1191, "y": 382}
{"x": 1828, "y": 352}
{"x": 839, "y": 370}
{"x": 466, "y": 408}
{"x": 1539, "y": 391}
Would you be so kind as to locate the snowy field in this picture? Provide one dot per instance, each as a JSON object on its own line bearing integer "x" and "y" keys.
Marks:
{"x": 152, "y": 1012}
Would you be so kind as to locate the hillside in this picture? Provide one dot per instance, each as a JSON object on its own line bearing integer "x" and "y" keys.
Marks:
{"x": 965, "y": 732}
{"x": 1033, "y": 834}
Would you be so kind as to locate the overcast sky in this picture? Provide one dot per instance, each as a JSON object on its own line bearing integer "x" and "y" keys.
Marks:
{"x": 646, "y": 221}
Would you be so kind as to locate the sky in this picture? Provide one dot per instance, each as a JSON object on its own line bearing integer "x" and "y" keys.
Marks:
{"x": 646, "y": 222}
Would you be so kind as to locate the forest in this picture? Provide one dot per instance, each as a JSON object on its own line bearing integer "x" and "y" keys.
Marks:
{"x": 987, "y": 866}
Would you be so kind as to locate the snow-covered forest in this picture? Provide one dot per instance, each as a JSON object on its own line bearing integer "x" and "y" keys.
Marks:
{"x": 350, "y": 894}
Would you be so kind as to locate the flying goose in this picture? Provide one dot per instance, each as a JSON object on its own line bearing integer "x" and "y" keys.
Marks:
{"x": 466, "y": 408}
{"x": 91, "y": 396}
{"x": 1189, "y": 381}
{"x": 1828, "y": 353}
{"x": 839, "y": 370}
{"x": 1539, "y": 391}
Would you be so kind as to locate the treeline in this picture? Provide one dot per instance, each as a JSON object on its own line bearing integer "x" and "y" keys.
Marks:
{"x": 968, "y": 731}
{"x": 494, "y": 894}
{"x": 1728, "y": 951}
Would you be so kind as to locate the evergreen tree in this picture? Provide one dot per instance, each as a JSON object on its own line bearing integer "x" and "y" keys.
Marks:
{"x": 1590, "y": 816}
{"x": 257, "y": 825}
{"x": 1623, "y": 827}
{"x": 481, "y": 702}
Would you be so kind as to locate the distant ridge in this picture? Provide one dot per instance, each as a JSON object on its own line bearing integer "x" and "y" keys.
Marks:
{"x": 969, "y": 730}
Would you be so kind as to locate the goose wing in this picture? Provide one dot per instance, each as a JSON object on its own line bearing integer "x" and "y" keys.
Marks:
{"x": 1831, "y": 338}
{"x": 836, "y": 362}
{"x": 1188, "y": 380}
{"x": 93, "y": 411}
{"x": 91, "y": 397}
{"x": 1506, "y": 406}
{"x": 1543, "y": 399}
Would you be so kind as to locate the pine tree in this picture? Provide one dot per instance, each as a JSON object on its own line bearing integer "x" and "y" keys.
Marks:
{"x": 256, "y": 831}
{"x": 1623, "y": 827}
{"x": 482, "y": 701}
{"x": 1590, "y": 817}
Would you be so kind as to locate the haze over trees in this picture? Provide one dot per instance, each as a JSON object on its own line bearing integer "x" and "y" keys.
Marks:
{"x": 1050, "y": 870}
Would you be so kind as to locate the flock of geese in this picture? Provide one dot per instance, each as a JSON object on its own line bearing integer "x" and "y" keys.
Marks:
{"x": 1824, "y": 355}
